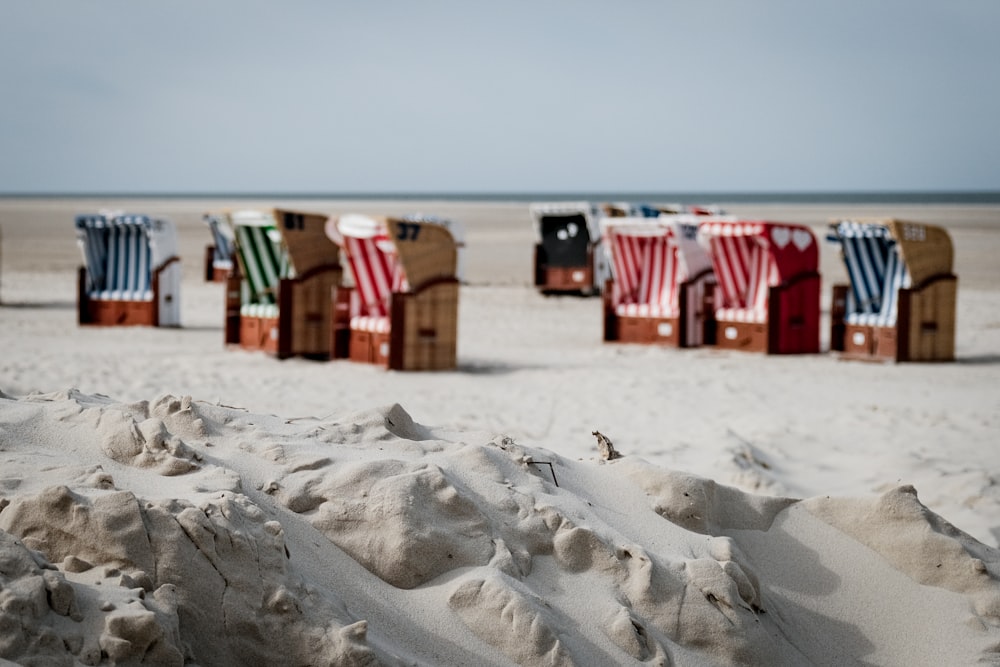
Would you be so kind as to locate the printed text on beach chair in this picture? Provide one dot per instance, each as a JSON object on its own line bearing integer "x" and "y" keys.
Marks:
{"x": 219, "y": 255}
{"x": 403, "y": 309}
{"x": 131, "y": 273}
{"x": 659, "y": 279}
{"x": 767, "y": 296}
{"x": 279, "y": 293}
{"x": 900, "y": 301}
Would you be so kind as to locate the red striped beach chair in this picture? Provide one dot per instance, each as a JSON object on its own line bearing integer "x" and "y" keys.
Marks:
{"x": 900, "y": 302}
{"x": 131, "y": 273}
{"x": 768, "y": 285}
{"x": 278, "y": 296}
{"x": 402, "y": 311}
{"x": 569, "y": 257}
{"x": 661, "y": 280}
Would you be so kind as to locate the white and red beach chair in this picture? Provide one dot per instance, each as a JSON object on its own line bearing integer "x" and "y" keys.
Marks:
{"x": 278, "y": 295}
{"x": 402, "y": 311}
{"x": 131, "y": 273}
{"x": 661, "y": 277}
{"x": 768, "y": 285}
{"x": 900, "y": 303}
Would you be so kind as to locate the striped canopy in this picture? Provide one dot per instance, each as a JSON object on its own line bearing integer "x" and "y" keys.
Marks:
{"x": 875, "y": 269}
{"x": 749, "y": 257}
{"x": 262, "y": 257}
{"x": 373, "y": 261}
{"x": 120, "y": 252}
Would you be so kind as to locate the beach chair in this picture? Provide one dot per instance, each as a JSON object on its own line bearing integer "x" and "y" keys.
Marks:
{"x": 900, "y": 302}
{"x": 567, "y": 259}
{"x": 661, "y": 284}
{"x": 767, "y": 297}
{"x": 131, "y": 273}
{"x": 278, "y": 296}
{"x": 402, "y": 310}
{"x": 218, "y": 255}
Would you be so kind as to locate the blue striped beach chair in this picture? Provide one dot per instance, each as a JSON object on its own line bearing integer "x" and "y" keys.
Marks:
{"x": 899, "y": 304}
{"x": 219, "y": 255}
{"x": 131, "y": 273}
{"x": 279, "y": 294}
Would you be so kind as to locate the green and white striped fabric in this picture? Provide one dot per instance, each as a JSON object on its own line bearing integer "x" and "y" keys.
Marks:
{"x": 263, "y": 260}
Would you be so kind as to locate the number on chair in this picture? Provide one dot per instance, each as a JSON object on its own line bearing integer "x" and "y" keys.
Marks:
{"x": 408, "y": 231}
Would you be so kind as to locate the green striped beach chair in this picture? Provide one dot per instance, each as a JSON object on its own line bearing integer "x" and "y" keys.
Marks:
{"x": 279, "y": 294}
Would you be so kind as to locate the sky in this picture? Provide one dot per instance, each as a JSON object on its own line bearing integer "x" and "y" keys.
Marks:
{"x": 385, "y": 96}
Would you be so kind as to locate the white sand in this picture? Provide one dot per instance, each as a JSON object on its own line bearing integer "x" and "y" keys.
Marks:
{"x": 164, "y": 500}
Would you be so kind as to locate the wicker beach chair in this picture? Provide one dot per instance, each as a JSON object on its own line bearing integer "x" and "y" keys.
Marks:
{"x": 402, "y": 310}
{"x": 768, "y": 285}
{"x": 278, "y": 296}
{"x": 219, "y": 255}
{"x": 661, "y": 278}
{"x": 900, "y": 301}
{"x": 131, "y": 273}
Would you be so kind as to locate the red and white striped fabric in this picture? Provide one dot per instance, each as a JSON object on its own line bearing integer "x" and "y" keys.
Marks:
{"x": 646, "y": 269}
{"x": 744, "y": 267}
{"x": 376, "y": 268}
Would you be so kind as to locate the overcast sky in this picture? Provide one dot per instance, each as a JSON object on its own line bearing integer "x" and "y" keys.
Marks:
{"x": 513, "y": 96}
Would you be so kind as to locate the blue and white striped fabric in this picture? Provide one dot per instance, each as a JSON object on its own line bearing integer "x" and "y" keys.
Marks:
{"x": 222, "y": 239}
{"x": 118, "y": 256}
{"x": 876, "y": 272}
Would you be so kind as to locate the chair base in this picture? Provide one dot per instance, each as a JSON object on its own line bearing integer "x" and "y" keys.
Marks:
{"x": 219, "y": 275}
{"x": 161, "y": 310}
{"x": 259, "y": 333}
{"x": 567, "y": 279}
{"x": 214, "y": 274}
{"x": 101, "y": 312}
{"x": 369, "y": 347}
{"x": 871, "y": 343}
{"x": 649, "y": 330}
{"x": 745, "y": 336}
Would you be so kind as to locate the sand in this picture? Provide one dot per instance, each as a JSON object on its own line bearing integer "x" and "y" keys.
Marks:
{"x": 164, "y": 500}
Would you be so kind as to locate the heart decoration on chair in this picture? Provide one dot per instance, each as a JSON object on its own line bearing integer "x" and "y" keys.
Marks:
{"x": 802, "y": 239}
{"x": 781, "y": 236}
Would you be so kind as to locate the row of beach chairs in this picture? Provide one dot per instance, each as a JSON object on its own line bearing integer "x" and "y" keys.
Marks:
{"x": 384, "y": 290}
{"x": 691, "y": 276}
{"x": 287, "y": 290}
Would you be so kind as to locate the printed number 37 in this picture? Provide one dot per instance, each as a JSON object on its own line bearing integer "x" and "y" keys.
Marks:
{"x": 408, "y": 231}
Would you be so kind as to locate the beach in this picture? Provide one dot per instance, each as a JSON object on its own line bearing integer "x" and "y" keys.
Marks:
{"x": 797, "y": 509}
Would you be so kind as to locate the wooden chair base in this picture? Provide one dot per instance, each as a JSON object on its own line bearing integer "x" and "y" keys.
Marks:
{"x": 259, "y": 333}
{"x": 649, "y": 330}
{"x": 567, "y": 279}
{"x": 369, "y": 348}
{"x": 870, "y": 343}
{"x": 746, "y": 336}
{"x": 101, "y": 312}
